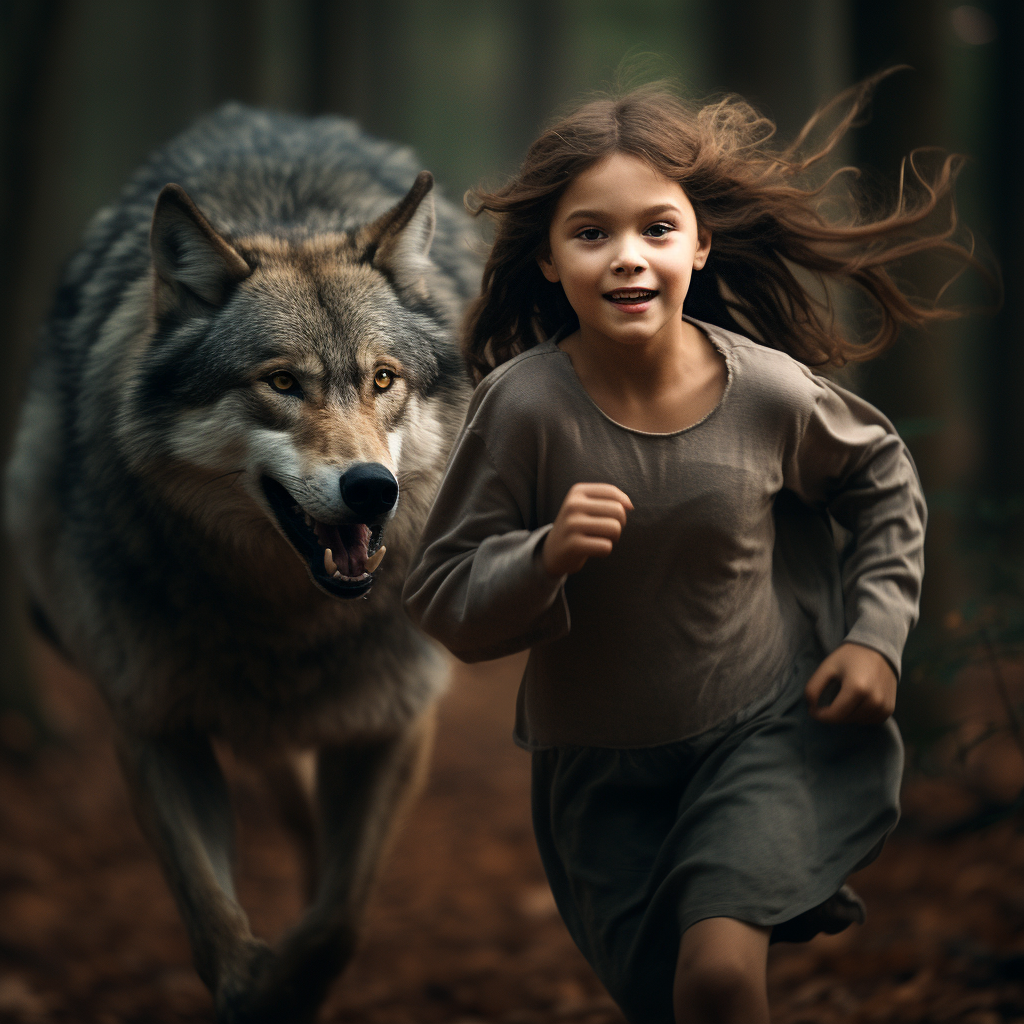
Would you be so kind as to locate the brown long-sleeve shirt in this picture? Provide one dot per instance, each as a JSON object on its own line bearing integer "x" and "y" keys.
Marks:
{"x": 715, "y": 584}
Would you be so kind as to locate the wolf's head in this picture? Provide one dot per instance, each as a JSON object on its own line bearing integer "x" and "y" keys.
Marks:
{"x": 300, "y": 378}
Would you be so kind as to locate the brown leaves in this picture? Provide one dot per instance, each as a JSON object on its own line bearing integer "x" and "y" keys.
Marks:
{"x": 462, "y": 929}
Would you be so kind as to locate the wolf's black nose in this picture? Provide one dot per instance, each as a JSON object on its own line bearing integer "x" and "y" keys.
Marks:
{"x": 369, "y": 489}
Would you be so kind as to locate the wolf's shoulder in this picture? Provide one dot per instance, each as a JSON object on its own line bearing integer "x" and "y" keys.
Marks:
{"x": 236, "y": 135}
{"x": 255, "y": 168}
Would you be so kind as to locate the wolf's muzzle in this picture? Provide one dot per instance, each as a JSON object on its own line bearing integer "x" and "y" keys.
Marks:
{"x": 342, "y": 557}
{"x": 369, "y": 490}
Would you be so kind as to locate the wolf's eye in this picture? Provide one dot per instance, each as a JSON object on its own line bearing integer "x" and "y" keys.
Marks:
{"x": 383, "y": 379}
{"x": 284, "y": 383}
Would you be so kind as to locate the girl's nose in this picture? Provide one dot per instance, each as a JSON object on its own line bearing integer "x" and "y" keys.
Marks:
{"x": 628, "y": 261}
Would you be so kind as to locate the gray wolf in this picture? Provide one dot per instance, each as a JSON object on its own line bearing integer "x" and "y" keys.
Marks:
{"x": 246, "y": 393}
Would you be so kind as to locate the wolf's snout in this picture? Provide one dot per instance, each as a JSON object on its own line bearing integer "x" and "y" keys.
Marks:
{"x": 369, "y": 490}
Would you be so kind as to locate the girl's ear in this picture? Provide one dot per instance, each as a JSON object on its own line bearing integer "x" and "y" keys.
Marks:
{"x": 700, "y": 257}
{"x": 548, "y": 269}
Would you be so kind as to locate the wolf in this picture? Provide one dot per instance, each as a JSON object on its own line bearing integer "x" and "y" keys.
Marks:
{"x": 238, "y": 415}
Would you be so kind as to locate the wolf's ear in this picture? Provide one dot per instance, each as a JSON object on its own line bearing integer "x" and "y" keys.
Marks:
{"x": 188, "y": 255}
{"x": 398, "y": 242}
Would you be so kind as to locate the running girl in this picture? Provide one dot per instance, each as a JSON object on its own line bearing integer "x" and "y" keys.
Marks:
{"x": 642, "y": 496}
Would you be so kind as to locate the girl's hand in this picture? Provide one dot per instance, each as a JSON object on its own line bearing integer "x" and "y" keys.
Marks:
{"x": 587, "y": 526}
{"x": 853, "y": 684}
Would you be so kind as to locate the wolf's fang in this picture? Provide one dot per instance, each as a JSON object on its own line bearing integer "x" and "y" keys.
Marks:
{"x": 329, "y": 567}
{"x": 374, "y": 560}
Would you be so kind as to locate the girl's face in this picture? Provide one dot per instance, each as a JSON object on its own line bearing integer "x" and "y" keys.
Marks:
{"x": 624, "y": 241}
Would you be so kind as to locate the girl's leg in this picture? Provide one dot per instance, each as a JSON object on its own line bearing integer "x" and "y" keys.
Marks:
{"x": 721, "y": 974}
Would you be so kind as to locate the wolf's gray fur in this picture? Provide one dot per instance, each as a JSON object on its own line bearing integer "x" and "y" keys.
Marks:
{"x": 220, "y": 356}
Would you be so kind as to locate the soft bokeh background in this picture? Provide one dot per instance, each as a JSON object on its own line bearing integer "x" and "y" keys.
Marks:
{"x": 88, "y": 87}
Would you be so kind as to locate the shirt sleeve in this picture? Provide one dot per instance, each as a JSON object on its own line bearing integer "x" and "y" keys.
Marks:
{"x": 851, "y": 461}
{"x": 478, "y": 584}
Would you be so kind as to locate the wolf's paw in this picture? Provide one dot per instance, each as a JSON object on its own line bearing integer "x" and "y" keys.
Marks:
{"x": 242, "y": 996}
{"x": 287, "y": 985}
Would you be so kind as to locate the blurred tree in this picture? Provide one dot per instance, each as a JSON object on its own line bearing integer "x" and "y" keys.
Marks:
{"x": 915, "y": 383}
{"x": 786, "y": 58}
{"x": 1004, "y": 378}
{"x": 28, "y": 34}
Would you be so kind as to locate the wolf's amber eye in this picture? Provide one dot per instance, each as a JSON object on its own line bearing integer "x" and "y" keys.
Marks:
{"x": 283, "y": 382}
{"x": 383, "y": 379}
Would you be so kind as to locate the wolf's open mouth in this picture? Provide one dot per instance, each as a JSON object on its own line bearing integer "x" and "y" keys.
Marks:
{"x": 351, "y": 545}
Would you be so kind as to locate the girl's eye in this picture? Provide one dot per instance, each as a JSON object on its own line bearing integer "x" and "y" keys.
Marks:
{"x": 383, "y": 379}
{"x": 590, "y": 234}
{"x": 283, "y": 383}
{"x": 658, "y": 230}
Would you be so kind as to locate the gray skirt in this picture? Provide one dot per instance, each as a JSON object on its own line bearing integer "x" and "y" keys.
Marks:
{"x": 760, "y": 819}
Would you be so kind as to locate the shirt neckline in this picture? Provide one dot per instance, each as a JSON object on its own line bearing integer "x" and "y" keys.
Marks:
{"x": 718, "y": 342}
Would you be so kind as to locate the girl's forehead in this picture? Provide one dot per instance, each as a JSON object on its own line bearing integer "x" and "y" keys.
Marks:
{"x": 618, "y": 182}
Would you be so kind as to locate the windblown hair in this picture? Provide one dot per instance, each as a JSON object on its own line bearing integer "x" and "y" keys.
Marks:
{"x": 765, "y": 208}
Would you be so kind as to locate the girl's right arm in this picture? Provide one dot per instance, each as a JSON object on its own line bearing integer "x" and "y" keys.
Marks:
{"x": 484, "y": 584}
{"x": 588, "y": 524}
{"x": 478, "y": 582}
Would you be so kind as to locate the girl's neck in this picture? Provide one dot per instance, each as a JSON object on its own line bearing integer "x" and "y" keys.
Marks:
{"x": 660, "y": 386}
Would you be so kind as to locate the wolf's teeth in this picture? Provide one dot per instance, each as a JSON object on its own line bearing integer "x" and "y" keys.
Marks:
{"x": 375, "y": 559}
{"x": 329, "y": 565}
{"x": 337, "y": 575}
{"x": 309, "y": 520}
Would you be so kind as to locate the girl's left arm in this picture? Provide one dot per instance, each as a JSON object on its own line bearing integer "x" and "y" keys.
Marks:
{"x": 850, "y": 458}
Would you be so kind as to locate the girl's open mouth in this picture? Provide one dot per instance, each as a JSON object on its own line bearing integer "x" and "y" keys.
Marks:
{"x": 631, "y": 299}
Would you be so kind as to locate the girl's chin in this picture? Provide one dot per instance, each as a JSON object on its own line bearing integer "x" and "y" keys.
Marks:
{"x": 629, "y": 333}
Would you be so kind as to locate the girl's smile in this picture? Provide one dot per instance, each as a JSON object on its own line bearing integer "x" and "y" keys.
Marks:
{"x": 631, "y": 300}
{"x": 624, "y": 242}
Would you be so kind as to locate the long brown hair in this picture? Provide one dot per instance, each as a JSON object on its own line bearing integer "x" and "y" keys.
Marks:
{"x": 765, "y": 209}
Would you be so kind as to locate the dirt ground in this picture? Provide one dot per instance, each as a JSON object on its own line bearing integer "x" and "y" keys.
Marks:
{"x": 463, "y": 929}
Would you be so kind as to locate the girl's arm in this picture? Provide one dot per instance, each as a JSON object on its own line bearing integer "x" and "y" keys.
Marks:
{"x": 478, "y": 583}
{"x": 853, "y": 684}
{"x": 850, "y": 459}
{"x": 482, "y": 583}
{"x": 588, "y": 524}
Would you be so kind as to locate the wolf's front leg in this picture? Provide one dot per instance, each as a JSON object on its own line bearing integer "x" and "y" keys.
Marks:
{"x": 361, "y": 791}
{"x": 181, "y": 801}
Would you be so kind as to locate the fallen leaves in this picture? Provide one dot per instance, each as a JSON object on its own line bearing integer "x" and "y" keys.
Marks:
{"x": 462, "y": 929}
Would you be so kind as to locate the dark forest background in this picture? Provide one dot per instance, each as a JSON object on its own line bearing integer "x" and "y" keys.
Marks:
{"x": 88, "y": 87}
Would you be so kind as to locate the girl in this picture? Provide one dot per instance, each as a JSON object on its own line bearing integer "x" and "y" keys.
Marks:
{"x": 643, "y": 499}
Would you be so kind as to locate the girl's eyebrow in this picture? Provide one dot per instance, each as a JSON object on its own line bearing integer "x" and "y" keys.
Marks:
{"x": 651, "y": 211}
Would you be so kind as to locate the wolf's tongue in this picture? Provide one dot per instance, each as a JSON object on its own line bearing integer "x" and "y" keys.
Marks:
{"x": 348, "y": 546}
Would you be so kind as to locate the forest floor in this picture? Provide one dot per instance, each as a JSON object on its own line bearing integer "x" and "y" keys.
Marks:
{"x": 462, "y": 928}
